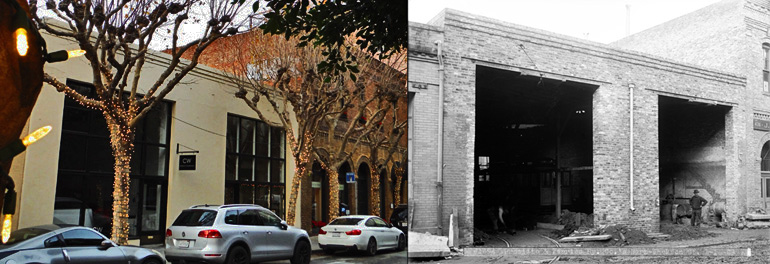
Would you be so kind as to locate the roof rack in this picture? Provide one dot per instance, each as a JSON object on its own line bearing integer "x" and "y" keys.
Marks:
{"x": 239, "y": 205}
{"x": 203, "y": 205}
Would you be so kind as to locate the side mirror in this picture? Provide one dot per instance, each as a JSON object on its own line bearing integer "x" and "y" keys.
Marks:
{"x": 105, "y": 244}
{"x": 283, "y": 225}
{"x": 390, "y": 225}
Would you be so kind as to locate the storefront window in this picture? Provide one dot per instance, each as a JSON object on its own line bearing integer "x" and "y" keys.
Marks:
{"x": 254, "y": 164}
{"x": 86, "y": 170}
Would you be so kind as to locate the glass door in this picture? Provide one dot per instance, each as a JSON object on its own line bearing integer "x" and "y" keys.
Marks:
{"x": 152, "y": 211}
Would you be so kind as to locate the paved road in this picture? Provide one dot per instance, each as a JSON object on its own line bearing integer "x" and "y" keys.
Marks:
{"x": 382, "y": 257}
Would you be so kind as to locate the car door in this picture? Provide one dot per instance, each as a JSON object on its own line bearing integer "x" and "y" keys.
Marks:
{"x": 373, "y": 230}
{"x": 84, "y": 246}
{"x": 389, "y": 237}
{"x": 280, "y": 242}
{"x": 53, "y": 250}
{"x": 248, "y": 225}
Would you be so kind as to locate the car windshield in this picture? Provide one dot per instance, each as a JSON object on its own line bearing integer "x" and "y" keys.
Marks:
{"x": 196, "y": 218}
{"x": 346, "y": 221}
{"x": 23, "y": 234}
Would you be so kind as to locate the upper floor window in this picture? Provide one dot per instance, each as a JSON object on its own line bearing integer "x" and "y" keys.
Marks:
{"x": 766, "y": 68}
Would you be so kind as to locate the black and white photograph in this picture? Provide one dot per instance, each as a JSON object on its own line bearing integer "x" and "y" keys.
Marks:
{"x": 589, "y": 131}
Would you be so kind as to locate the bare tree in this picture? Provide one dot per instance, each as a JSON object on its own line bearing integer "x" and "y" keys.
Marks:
{"x": 359, "y": 114}
{"x": 116, "y": 35}
{"x": 285, "y": 76}
{"x": 400, "y": 171}
{"x": 274, "y": 69}
{"x": 387, "y": 138}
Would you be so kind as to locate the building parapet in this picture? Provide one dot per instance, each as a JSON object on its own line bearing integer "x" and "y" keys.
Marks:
{"x": 468, "y": 21}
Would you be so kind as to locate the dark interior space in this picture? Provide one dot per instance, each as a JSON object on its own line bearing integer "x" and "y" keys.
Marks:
{"x": 530, "y": 129}
{"x": 692, "y": 155}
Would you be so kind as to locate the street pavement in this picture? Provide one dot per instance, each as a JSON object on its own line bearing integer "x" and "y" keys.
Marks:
{"x": 382, "y": 257}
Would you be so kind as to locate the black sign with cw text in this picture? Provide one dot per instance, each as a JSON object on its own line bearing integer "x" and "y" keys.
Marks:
{"x": 187, "y": 162}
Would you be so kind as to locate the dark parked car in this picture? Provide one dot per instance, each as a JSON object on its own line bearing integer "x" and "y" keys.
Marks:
{"x": 400, "y": 217}
{"x": 74, "y": 244}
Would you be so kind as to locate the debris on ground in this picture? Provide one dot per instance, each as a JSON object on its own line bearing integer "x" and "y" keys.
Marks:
{"x": 757, "y": 210}
{"x": 479, "y": 237}
{"x": 619, "y": 236}
{"x": 573, "y": 221}
{"x": 684, "y": 232}
{"x": 425, "y": 245}
{"x": 622, "y": 236}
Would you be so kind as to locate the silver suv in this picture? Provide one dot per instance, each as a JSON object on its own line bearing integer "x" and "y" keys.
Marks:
{"x": 235, "y": 233}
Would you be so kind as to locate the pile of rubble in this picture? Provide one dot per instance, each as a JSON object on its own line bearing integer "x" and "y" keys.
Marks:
{"x": 622, "y": 236}
{"x": 683, "y": 232}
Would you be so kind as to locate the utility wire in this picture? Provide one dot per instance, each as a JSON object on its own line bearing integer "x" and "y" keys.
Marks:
{"x": 192, "y": 125}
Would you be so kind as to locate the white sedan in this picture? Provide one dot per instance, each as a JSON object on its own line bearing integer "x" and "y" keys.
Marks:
{"x": 360, "y": 232}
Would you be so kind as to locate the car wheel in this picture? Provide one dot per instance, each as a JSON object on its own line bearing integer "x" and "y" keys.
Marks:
{"x": 237, "y": 255}
{"x": 371, "y": 248}
{"x": 401, "y": 243}
{"x": 328, "y": 251}
{"x": 301, "y": 253}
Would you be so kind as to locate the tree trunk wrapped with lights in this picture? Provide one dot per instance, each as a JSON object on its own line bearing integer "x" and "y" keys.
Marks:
{"x": 375, "y": 190}
{"x": 116, "y": 36}
{"x": 399, "y": 177}
{"x": 121, "y": 141}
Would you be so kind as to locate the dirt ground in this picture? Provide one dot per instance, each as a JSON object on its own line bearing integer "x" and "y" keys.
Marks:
{"x": 681, "y": 236}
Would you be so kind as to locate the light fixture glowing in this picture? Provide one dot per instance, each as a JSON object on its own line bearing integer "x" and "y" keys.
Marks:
{"x": 35, "y": 136}
{"x": 63, "y": 55}
{"x": 21, "y": 41}
{"x": 75, "y": 53}
{"x": 6, "y": 233}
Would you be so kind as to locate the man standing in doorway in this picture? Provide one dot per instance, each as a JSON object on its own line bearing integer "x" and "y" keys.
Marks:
{"x": 697, "y": 202}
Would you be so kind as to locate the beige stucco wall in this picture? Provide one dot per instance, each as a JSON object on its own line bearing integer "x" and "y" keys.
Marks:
{"x": 203, "y": 99}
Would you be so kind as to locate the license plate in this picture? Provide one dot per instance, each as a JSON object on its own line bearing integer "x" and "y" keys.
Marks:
{"x": 183, "y": 243}
{"x": 335, "y": 234}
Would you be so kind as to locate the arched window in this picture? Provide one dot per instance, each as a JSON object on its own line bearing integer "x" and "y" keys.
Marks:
{"x": 764, "y": 167}
{"x": 766, "y": 68}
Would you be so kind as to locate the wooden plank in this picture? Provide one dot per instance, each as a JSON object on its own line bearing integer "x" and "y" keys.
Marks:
{"x": 586, "y": 238}
{"x": 753, "y": 216}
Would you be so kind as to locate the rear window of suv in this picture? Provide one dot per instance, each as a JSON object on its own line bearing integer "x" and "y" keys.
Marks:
{"x": 346, "y": 221}
{"x": 196, "y": 218}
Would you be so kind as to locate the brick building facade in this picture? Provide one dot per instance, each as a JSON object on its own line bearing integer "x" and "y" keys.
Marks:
{"x": 229, "y": 55}
{"x": 623, "y": 129}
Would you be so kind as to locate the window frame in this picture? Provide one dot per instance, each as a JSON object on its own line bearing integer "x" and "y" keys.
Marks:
{"x": 236, "y": 182}
{"x": 766, "y": 69}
